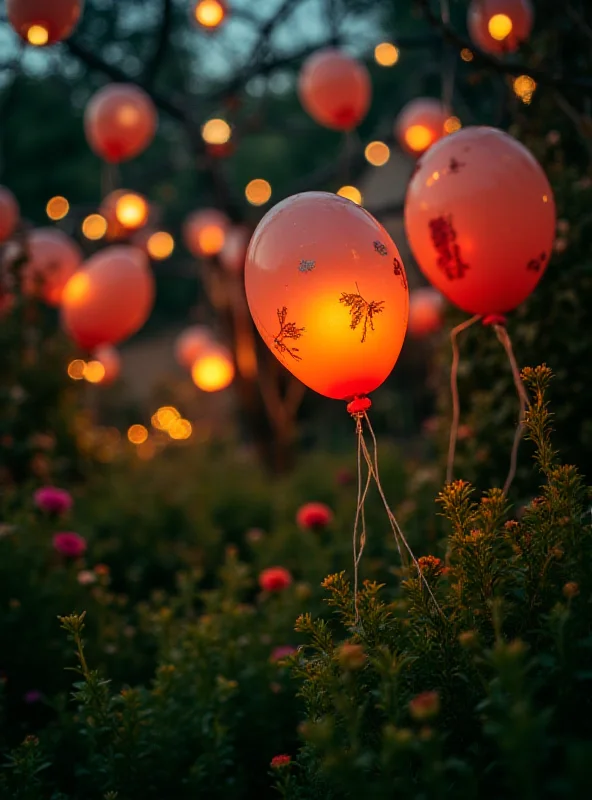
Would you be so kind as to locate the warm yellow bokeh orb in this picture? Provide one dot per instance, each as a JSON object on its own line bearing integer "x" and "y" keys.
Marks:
{"x": 37, "y": 35}
{"x": 499, "y": 27}
{"x": 211, "y": 239}
{"x": 452, "y": 125}
{"x": 466, "y": 54}
{"x": 94, "y": 226}
{"x": 386, "y": 54}
{"x": 216, "y": 131}
{"x": 180, "y": 429}
{"x": 524, "y": 87}
{"x": 258, "y": 192}
{"x": 209, "y": 13}
{"x": 351, "y": 193}
{"x": 94, "y": 372}
{"x": 76, "y": 290}
{"x": 377, "y": 153}
{"x": 57, "y": 207}
{"x": 418, "y": 138}
{"x": 76, "y": 369}
{"x": 137, "y": 434}
{"x": 213, "y": 372}
{"x": 164, "y": 418}
{"x": 160, "y": 245}
{"x": 131, "y": 211}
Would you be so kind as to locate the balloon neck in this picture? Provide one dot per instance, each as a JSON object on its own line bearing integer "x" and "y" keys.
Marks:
{"x": 359, "y": 405}
{"x": 494, "y": 319}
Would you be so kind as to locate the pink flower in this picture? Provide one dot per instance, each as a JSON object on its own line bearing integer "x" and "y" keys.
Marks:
{"x": 425, "y": 706}
{"x": 86, "y": 577}
{"x": 70, "y": 545}
{"x": 314, "y": 516}
{"x": 274, "y": 579}
{"x": 283, "y": 651}
{"x": 53, "y": 500}
{"x": 277, "y": 762}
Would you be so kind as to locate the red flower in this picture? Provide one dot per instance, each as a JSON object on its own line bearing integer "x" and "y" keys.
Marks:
{"x": 425, "y": 706}
{"x": 431, "y": 564}
{"x": 274, "y": 579}
{"x": 53, "y": 500}
{"x": 314, "y": 516}
{"x": 277, "y": 762}
{"x": 70, "y": 545}
{"x": 283, "y": 651}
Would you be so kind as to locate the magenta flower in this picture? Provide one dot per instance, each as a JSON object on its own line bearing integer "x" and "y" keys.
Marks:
{"x": 274, "y": 579}
{"x": 283, "y": 651}
{"x": 70, "y": 545}
{"x": 53, "y": 500}
{"x": 314, "y": 516}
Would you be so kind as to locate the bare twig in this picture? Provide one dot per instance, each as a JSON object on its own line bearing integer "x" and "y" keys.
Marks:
{"x": 161, "y": 44}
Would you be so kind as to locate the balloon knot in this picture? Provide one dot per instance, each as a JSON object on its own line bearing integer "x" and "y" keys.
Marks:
{"x": 359, "y": 405}
{"x": 494, "y": 319}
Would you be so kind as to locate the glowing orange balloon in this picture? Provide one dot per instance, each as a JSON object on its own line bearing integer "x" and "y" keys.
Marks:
{"x": 53, "y": 258}
{"x": 43, "y": 22}
{"x": 191, "y": 344}
{"x": 328, "y": 293}
{"x": 426, "y": 312}
{"x": 480, "y": 219}
{"x": 213, "y": 370}
{"x": 499, "y": 26}
{"x": 9, "y": 213}
{"x": 111, "y": 361}
{"x": 109, "y": 298}
{"x": 335, "y": 89}
{"x": 204, "y": 232}
{"x": 420, "y": 124}
{"x": 210, "y": 14}
{"x": 120, "y": 122}
{"x": 234, "y": 250}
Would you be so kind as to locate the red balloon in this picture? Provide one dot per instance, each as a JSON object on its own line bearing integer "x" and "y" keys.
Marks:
{"x": 204, "y": 232}
{"x": 109, "y": 298}
{"x": 42, "y": 22}
{"x": 9, "y": 213}
{"x": 499, "y": 26}
{"x": 111, "y": 361}
{"x": 480, "y": 220}
{"x": 426, "y": 312}
{"x": 420, "y": 124}
{"x": 120, "y": 122}
{"x": 328, "y": 293}
{"x": 53, "y": 258}
{"x": 335, "y": 89}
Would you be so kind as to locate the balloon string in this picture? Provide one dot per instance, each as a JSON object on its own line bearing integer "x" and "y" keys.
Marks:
{"x": 360, "y": 517}
{"x": 397, "y": 532}
{"x": 454, "y": 391}
{"x": 504, "y": 338}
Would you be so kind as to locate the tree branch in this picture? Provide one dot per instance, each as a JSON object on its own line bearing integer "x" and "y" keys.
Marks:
{"x": 153, "y": 65}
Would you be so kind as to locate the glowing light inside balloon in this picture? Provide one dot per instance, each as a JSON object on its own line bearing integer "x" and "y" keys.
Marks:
{"x": 77, "y": 289}
{"x": 94, "y": 372}
{"x": 180, "y": 429}
{"x": 418, "y": 138}
{"x": 258, "y": 192}
{"x": 386, "y": 54}
{"x": 213, "y": 372}
{"x": 452, "y": 125}
{"x": 524, "y": 87}
{"x": 131, "y": 211}
{"x": 466, "y": 54}
{"x": 57, "y": 207}
{"x": 351, "y": 193}
{"x": 211, "y": 239}
{"x": 76, "y": 369}
{"x": 500, "y": 27}
{"x": 127, "y": 116}
{"x": 94, "y": 227}
{"x": 209, "y": 13}
{"x": 216, "y": 131}
{"x": 37, "y": 35}
{"x": 137, "y": 434}
{"x": 164, "y": 418}
{"x": 160, "y": 245}
{"x": 377, "y": 153}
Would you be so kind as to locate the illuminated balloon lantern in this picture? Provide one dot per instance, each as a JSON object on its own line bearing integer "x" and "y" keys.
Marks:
{"x": 234, "y": 250}
{"x": 335, "y": 89}
{"x": 125, "y": 209}
{"x": 426, "y": 312}
{"x": 420, "y": 124}
{"x": 111, "y": 361}
{"x": 53, "y": 258}
{"x": 204, "y": 232}
{"x": 43, "y": 22}
{"x": 109, "y": 298}
{"x": 328, "y": 293}
{"x": 120, "y": 121}
{"x": 191, "y": 344}
{"x": 213, "y": 370}
{"x": 9, "y": 213}
{"x": 210, "y": 14}
{"x": 499, "y": 26}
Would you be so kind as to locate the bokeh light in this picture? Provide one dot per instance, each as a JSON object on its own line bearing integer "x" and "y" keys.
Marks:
{"x": 211, "y": 239}
{"x": 258, "y": 192}
{"x": 216, "y": 131}
{"x": 57, "y": 207}
{"x": 131, "y": 211}
{"x": 209, "y": 13}
{"x": 137, "y": 434}
{"x": 351, "y": 193}
{"x": 377, "y": 153}
{"x": 76, "y": 369}
{"x": 37, "y": 35}
{"x": 499, "y": 27}
{"x": 180, "y": 429}
{"x": 418, "y": 138}
{"x": 164, "y": 418}
{"x": 94, "y": 227}
{"x": 213, "y": 372}
{"x": 160, "y": 245}
{"x": 466, "y": 54}
{"x": 386, "y": 54}
{"x": 94, "y": 372}
{"x": 524, "y": 87}
{"x": 452, "y": 124}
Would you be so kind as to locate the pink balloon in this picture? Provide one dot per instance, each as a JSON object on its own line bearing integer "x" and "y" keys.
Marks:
{"x": 420, "y": 124}
{"x": 9, "y": 213}
{"x": 480, "y": 220}
{"x": 191, "y": 344}
{"x": 335, "y": 89}
{"x": 53, "y": 258}
{"x": 43, "y": 22}
{"x": 499, "y": 26}
{"x": 120, "y": 121}
{"x": 426, "y": 312}
{"x": 204, "y": 232}
{"x": 109, "y": 298}
{"x": 234, "y": 250}
{"x": 111, "y": 361}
